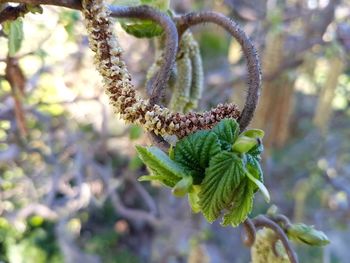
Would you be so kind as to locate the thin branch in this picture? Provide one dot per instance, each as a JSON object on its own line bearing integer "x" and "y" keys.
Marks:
{"x": 250, "y": 232}
{"x": 73, "y": 4}
{"x": 281, "y": 219}
{"x": 263, "y": 221}
{"x": 131, "y": 214}
{"x": 253, "y": 65}
{"x": 12, "y": 12}
{"x": 159, "y": 141}
{"x": 144, "y": 194}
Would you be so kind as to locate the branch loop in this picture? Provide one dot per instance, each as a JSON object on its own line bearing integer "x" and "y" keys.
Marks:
{"x": 184, "y": 22}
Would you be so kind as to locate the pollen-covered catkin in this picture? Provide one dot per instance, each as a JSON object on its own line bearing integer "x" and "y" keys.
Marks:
{"x": 122, "y": 95}
{"x": 197, "y": 82}
{"x": 268, "y": 248}
{"x": 182, "y": 88}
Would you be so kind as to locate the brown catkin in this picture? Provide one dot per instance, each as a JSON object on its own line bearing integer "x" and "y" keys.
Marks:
{"x": 121, "y": 92}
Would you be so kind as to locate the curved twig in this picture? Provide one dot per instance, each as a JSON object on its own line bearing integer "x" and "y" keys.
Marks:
{"x": 253, "y": 65}
{"x": 250, "y": 232}
{"x": 281, "y": 219}
{"x": 263, "y": 221}
{"x": 123, "y": 96}
{"x": 73, "y": 4}
{"x": 171, "y": 42}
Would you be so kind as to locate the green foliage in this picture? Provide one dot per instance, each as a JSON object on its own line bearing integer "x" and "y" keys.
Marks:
{"x": 35, "y": 244}
{"x": 162, "y": 168}
{"x": 141, "y": 29}
{"x": 144, "y": 28}
{"x": 218, "y": 178}
{"x": 223, "y": 176}
{"x": 195, "y": 151}
{"x": 183, "y": 186}
{"x": 242, "y": 204}
{"x": 15, "y": 35}
{"x": 307, "y": 235}
{"x": 227, "y": 132}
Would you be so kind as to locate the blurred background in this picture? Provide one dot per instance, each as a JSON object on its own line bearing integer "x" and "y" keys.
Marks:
{"x": 68, "y": 167}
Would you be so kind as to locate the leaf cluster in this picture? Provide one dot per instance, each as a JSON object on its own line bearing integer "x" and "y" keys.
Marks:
{"x": 219, "y": 169}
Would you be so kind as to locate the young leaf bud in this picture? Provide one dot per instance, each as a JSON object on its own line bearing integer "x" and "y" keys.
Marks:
{"x": 243, "y": 144}
{"x": 254, "y": 133}
{"x": 307, "y": 235}
{"x": 183, "y": 186}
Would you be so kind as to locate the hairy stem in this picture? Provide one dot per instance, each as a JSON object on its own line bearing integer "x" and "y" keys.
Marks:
{"x": 249, "y": 232}
{"x": 171, "y": 43}
{"x": 253, "y": 65}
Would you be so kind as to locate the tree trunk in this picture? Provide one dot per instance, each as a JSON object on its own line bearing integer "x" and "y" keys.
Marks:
{"x": 277, "y": 99}
{"x": 324, "y": 108}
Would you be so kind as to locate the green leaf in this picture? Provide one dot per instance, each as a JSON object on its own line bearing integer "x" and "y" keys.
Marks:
{"x": 253, "y": 133}
{"x": 161, "y": 166}
{"x": 183, "y": 186}
{"x": 14, "y": 32}
{"x": 194, "y": 152}
{"x": 307, "y": 234}
{"x": 224, "y": 174}
{"x": 165, "y": 180}
{"x": 171, "y": 152}
{"x": 227, "y": 131}
{"x": 193, "y": 198}
{"x": 244, "y": 144}
{"x": 143, "y": 28}
{"x": 253, "y": 176}
{"x": 256, "y": 151}
{"x": 252, "y": 162}
{"x": 242, "y": 204}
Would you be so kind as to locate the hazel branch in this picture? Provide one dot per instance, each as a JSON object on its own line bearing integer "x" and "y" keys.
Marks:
{"x": 249, "y": 231}
{"x": 12, "y": 12}
{"x": 122, "y": 94}
{"x": 253, "y": 65}
{"x": 73, "y": 4}
{"x": 171, "y": 42}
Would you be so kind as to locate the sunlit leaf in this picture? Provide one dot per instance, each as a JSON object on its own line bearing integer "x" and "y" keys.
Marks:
{"x": 223, "y": 176}
{"x": 161, "y": 166}
{"x": 227, "y": 131}
{"x": 194, "y": 152}
{"x": 242, "y": 204}
{"x": 14, "y": 32}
